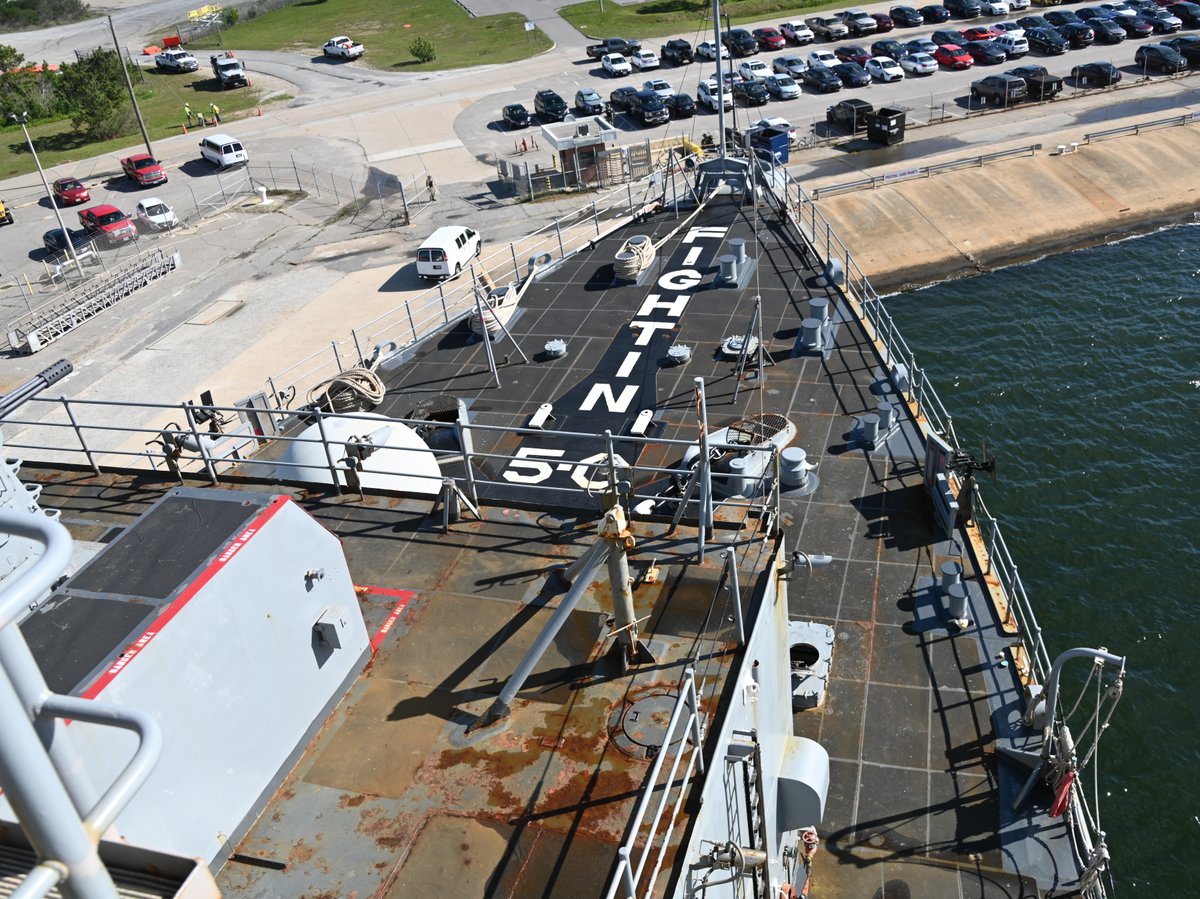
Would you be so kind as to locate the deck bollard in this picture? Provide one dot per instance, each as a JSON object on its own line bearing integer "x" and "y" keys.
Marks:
{"x": 870, "y": 429}
{"x": 793, "y": 467}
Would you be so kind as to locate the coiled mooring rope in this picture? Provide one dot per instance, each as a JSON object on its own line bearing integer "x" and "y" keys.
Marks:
{"x": 353, "y": 390}
{"x": 634, "y": 257}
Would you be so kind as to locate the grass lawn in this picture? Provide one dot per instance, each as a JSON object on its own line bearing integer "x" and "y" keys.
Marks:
{"x": 656, "y": 18}
{"x": 160, "y": 97}
{"x": 386, "y": 28}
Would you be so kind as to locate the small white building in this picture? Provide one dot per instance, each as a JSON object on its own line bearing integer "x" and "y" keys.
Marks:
{"x": 581, "y": 144}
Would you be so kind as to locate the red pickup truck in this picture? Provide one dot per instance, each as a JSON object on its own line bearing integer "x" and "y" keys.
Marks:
{"x": 144, "y": 170}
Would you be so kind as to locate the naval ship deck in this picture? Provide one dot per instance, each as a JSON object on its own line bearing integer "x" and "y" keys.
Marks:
{"x": 392, "y": 799}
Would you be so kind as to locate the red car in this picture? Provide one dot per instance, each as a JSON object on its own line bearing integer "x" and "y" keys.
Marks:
{"x": 769, "y": 38}
{"x": 852, "y": 53}
{"x": 978, "y": 33}
{"x": 144, "y": 170}
{"x": 953, "y": 57}
{"x": 883, "y": 22}
{"x": 109, "y": 222}
{"x": 70, "y": 191}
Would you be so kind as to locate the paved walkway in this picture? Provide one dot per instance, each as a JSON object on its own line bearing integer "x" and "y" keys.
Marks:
{"x": 543, "y": 14}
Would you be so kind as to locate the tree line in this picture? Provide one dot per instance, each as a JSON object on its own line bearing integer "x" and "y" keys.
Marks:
{"x": 90, "y": 92}
{"x": 18, "y": 14}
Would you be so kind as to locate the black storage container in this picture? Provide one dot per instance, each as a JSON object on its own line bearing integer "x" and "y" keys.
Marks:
{"x": 886, "y": 126}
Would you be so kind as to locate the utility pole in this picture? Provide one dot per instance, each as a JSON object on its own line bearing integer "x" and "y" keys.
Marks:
{"x": 71, "y": 254}
{"x": 129, "y": 84}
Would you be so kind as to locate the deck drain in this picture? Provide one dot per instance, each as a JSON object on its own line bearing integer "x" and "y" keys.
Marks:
{"x": 639, "y": 727}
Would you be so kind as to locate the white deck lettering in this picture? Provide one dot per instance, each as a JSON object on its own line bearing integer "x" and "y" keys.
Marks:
{"x": 611, "y": 401}
{"x": 673, "y": 308}
{"x": 648, "y": 329}
{"x": 631, "y": 359}
{"x": 680, "y": 279}
{"x": 695, "y": 234}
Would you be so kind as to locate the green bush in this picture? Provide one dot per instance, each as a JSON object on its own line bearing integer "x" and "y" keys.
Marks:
{"x": 422, "y": 49}
{"x": 230, "y": 16}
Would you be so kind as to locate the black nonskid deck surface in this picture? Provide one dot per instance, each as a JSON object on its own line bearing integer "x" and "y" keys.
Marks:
{"x": 914, "y": 796}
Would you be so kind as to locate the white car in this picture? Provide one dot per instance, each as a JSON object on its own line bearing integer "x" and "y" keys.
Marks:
{"x": 660, "y": 87}
{"x": 884, "y": 68}
{"x": 783, "y": 87}
{"x": 995, "y": 7}
{"x": 644, "y": 60}
{"x": 152, "y": 214}
{"x": 790, "y": 65}
{"x": 710, "y": 95}
{"x": 616, "y": 65}
{"x": 753, "y": 70}
{"x": 1010, "y": 28}
{"x": 1017, "y": 5}
{"x": 777, "y": 122}
{"x": 797, "y": 32}
{"x": 1118, "y": 8}
{"x": 706, "y": 50}
{"x": 919, "y": 64}
{"x": 823, "y": 58}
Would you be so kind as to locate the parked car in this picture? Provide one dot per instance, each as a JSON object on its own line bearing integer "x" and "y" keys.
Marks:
{"x": 644, "y": 60}
{"x": 70, "y": 192}
{"x": 890, "y": 48}
{"x": 1187, "y": 46}
{"x": 884, "y": 68}
{"x": 175, "y": 60}
{"x": 108, "y": 223}
{"x": 750, "y": 93}
{"x": 753, "y": 70}
{"x": 1107, "y": 31}
{"x": 906, "y": 16}
{"x": 779, "y": 123}
{"x": 342, "y": 47}
{"x": 1015, "y": 5}
{"x": 143, "y": 170}
{"x": 1161, "y": 20}
{"x": 921, "y": 45}
{"x": 947, "y": 36}
{"x": 978, "y": 33}
{"x": 588, "y": 101}
{"x": 1008, "y": 28}
{"x": 1093, "y": 74}
{"x": 1118, "y": 8}
{"x": 853, "y": 53}
{"x": 1014, "y": 45}
{"x": 782, "y": 87}
{"x": 953, "y": 56}
{"x": 153, "y": 214}
{"x": 769, "y": 38}
{"x": 681, "y": 106}
{"x": 985, "y": 52}
{"x": 883, "y": 22}
{"x": 515, "y": 115}
{"x": 964, "y": 9}
{"x": 706, "y": 50}
{"x": 660, "y": 86}
{"x": 1060, "y": 17}
{"x": 1189, "y": 13}
{"x": 822, "y": 58}
{"x": 616, "y": 65}
{"x": 1028, "y": 22}
{"x": 1160, "y": 57}
{"x": 821, "y": 78}
{"x": 919, "y": 64}
{"x": 934, "y": 14}
{"x": 549, "y": 106}
{"x": 710, "y": 94}
{"x": 994, "y": 7}
{"x": 620, "y": 99}
{"x": 852, "y": 74}
{"x": 797, "y": 32}
{"x": 739, "y": 42}
{"x": 858, "y": 22}
{"x": 648, "y": 107}
{"x": 55, "y": 241}
{"x": 789, "y": 65}
{"x": 852, "y": 114}
{"x": 1077, "y": 34}
{"x": 1046, "y": 40}
{"x": 677, "y": 52}
{"x": 1000, "y": 89}
{"x": 829, "y": 28}
{"x": 1135, "y": 26}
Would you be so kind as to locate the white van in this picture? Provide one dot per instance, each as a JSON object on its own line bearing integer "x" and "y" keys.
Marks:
{"x": 446, "y": 252}
{"x": 223, "y": 150}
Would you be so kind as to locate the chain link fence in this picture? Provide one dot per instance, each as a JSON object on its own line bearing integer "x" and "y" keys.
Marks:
{"x": 376, "y": 201}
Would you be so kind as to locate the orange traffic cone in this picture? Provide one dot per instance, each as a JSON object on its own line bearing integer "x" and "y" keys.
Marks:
{"x": 185, "y": 127}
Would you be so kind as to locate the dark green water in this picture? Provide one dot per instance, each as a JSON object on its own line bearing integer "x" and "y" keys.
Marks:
{"x": 1082, "y": 372}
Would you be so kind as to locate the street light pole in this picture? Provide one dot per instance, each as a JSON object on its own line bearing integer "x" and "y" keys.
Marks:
{"x": 20, "y": 120}
{"x": 129, "y": 84}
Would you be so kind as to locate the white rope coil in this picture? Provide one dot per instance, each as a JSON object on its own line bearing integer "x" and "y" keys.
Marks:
{"x": 353, "y": 390}
{"x": 634, "y": 257}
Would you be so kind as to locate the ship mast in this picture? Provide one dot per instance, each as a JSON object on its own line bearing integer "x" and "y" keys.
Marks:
{"x": 720, "y": 77}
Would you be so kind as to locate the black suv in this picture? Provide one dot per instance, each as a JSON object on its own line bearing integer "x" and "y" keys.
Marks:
{"x": 1002, "y": 89}
{"x": 622, "y": 98}
{"x": 649, "y": 107}
{"x": 849, "y": 114}
{"x": 678, "y": 52}
{"x": 739, "y": 42}
{"x": 550, "y": 106}
{"x": 1161, "y": 57}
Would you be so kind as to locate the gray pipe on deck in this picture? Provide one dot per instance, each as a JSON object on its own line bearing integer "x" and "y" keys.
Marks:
{"x": 582, "y": 579}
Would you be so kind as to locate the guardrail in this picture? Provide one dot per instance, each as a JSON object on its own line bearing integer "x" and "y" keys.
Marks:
{"x": 925, "y": 171}
{"x": 1139, "y": 127}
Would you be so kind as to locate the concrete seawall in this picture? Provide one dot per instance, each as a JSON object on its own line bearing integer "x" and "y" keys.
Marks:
{"x": 971, "y": 220}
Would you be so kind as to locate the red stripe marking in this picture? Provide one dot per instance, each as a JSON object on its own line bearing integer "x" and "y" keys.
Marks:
{"x": 405, "y": 597}
{"x": 164, "y": 618}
